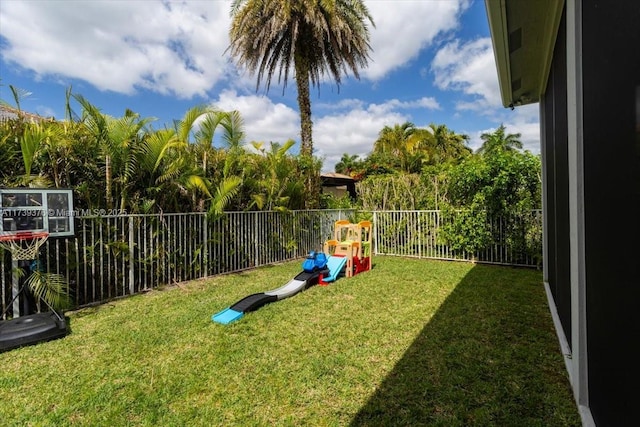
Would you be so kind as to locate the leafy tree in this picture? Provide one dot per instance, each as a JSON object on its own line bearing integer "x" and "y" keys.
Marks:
{"x": 310, "y": 37}
{"x": 198, "y": 126}
{"x": 33, "y": 139}
{"x": 379, "y": 164}
{"x": 276, "y": 179}
{"x": 448, "y": 146}
{"x": 196, "y": 133}
{"x": 9, "y": 149}
{"x": 499, "y": 140}
{"x": 394, "y": 139}
{"x": 509, "y": 181}
{"x": 406, "y": 148}
{"x": 500, "y": 183}
{"x": 401, "y": 142}
{"x": 119, "y": 140}
{"x": 348, "y": 163}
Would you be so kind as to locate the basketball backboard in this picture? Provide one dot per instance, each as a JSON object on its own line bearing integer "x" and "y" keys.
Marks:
{"x": 36, "y": 209}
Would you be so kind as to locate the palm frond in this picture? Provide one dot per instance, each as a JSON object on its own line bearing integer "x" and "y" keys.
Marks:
{"x": 225, "y": 191}
{"x": 207, "y": 128}
{"x": 233, "y": 126}
{"x": 50, "y": 287}
{"x": 18, "y": 94}
{"x": 197, "y": 183}
{"x": 185, "y": 127}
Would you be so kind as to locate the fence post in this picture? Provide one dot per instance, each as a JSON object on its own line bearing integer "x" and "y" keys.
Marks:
{"x": 15, "y": 287}
{"x": 374, "y": 250}
{"x": 205, "y": 238}
{"x": 256, "y": 244}
{"x": 419, "y": 218}
{"x": 2, "y": 282}
{"x": 131, "y": 255}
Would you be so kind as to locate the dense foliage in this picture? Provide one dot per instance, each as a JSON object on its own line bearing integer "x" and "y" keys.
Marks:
{"x": 202, "y": 163}
{"x": 493, "y": 191}
{"x": 433, "y": 168}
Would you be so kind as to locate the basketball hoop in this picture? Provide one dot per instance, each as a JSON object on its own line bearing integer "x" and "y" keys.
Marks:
{"x": 23, "y": 245}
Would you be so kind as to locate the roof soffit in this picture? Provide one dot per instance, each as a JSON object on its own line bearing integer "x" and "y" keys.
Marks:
{"x": 523, "y": 33}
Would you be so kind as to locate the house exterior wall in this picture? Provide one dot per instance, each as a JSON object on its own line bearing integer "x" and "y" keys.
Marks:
{"x": 590, "y": 136}
{"x": 590, "y": 143}
{"x": 610, "y": 77}
{"x": 553, "y": 114}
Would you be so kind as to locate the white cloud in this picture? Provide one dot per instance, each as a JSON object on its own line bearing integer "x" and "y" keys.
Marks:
{"x": 165, "y": 47}
{"x": 353, "y": 131}
{"x": 264, "y": 119}
{"x": 404, "y": 28}
{"x": 351, "y": 127}
{"x": 429, "y": 103}
{"x": 469, "y": 68}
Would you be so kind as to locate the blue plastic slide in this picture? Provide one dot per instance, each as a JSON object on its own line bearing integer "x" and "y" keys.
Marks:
{"x": 335, "y": 264}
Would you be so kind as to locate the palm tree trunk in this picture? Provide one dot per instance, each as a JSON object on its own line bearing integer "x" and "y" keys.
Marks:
{"x": 304, "y": 104}
{"x": 306, "y": 125}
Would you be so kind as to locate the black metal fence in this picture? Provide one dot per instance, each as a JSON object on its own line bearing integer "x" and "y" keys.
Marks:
{"x": 115, "y": 256}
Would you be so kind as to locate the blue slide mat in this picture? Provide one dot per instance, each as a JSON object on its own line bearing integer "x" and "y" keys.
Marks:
{"x": 227, "y": 316}
{"x": 335, "y": 264}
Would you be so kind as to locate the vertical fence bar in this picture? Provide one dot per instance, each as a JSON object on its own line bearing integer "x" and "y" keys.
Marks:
{"x": 121, "y": 254}
{"x": 256, "y": 242}
{"x": 131, "y": 256}
{"x": 15, "y": 287}
{"x": 141, "y": 254}
{"x": 205, "y": 238}
{"x": 374, "y": 250}
{"x": 4, "y": 284}
{"x": 102, "y": 261}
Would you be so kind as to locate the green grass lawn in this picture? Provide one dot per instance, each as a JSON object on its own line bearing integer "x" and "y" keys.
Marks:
{"x": 412, "y": 342}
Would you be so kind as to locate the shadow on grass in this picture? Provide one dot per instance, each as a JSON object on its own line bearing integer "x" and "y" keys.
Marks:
{"x": 489, "y": 356}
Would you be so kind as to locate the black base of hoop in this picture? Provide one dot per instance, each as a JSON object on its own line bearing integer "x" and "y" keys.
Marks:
{"x": 31, "y": 329}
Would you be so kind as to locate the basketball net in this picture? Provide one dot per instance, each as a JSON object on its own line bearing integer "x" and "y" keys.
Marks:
{"x": 23, "y": 245}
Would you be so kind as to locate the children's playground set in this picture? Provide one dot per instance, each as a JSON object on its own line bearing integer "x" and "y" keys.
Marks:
{"x": 347, "y": 254}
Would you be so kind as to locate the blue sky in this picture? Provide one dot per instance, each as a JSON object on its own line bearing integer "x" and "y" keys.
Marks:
{"x": 432, "y": 62}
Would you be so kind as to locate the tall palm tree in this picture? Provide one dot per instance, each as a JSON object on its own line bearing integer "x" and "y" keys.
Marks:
{"x": 310, "y": 37}
{"x": 499, "y": 141}
{"x": 393, "y": 140}
{"x": 347, "y": 163}
{"x": 404, "y": 143}
{"x": 448, "y": 144}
